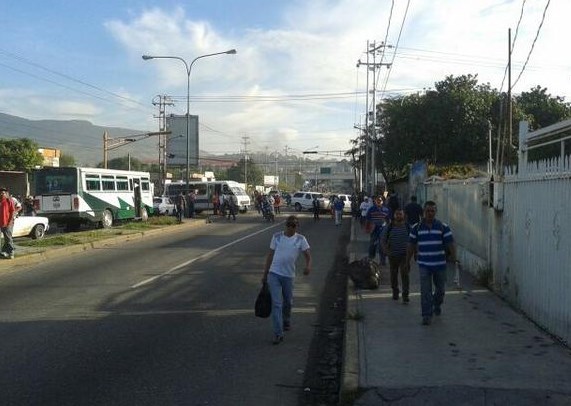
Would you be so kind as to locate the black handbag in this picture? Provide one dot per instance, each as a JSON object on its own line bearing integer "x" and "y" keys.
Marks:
{"x": 263, "y": 306}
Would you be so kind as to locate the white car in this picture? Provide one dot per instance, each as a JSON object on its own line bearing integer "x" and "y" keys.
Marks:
{"x": 163, "y": 205}
{"x": 30, "y": 226}
{"x": 345, "y": 198}
{"x": 304, "y": 201}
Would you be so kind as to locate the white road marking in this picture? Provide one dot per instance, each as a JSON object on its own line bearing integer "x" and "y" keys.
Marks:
{"x": 205, "y": 255}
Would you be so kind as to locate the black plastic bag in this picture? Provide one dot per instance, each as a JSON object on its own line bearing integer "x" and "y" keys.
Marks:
{"x": 365, "y": 273}
{"x": 263, "y": 306}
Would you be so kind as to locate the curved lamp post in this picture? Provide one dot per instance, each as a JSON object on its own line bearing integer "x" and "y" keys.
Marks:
{"x": 188, "y": 70}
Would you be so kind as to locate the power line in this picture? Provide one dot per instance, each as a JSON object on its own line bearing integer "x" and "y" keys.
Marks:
{"x": 513, "y": 43}
{"x": 70, "y": 78}
{"x": 533, "y": 44}
{"x": 396, "y": 47}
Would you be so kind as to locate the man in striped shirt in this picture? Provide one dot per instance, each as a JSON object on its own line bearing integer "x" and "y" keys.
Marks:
{"x": 429, "y": 241}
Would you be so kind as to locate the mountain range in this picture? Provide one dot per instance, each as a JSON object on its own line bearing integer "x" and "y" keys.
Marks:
{"x": 78, "y": 138}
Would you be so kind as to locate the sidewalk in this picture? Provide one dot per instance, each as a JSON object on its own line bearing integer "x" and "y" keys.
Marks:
{"x": 478, "y": 352}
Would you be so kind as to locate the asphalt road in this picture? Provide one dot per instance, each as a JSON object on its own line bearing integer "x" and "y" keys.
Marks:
{"x": 165, "y": 320}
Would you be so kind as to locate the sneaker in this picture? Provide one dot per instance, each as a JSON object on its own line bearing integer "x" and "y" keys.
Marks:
{"x": 405, "y": 299}
{"x": 437, "y": 311}
{"x": 426, "y": 321}
{"x": 277, "y": 340}
{"x": 287, "y": 326}
{"x": 395, "y": 296}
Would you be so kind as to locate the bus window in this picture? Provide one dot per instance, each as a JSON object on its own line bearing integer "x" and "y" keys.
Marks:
{"x": 92, "y": 182}
{"x": 108, "y": 182}
{"x": 122, "y": 183}
{"x": 145, "y": 184}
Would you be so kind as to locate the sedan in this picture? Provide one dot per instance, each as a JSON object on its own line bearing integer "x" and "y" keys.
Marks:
{"x": 30, "y": 226}
{"x": 163, "y": 205}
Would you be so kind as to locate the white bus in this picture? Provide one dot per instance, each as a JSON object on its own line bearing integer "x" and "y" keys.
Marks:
{"x": 205, "y": 191}
{"x": 73, "y": 196}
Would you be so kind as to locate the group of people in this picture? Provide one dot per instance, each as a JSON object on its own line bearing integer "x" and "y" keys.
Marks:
{"x": 10, "y": 208}
{"x": 184, "y": 205}
{"x": 225, "y": 205}
{"x": 403, "y": 233}
{"x": 268, "y": 205}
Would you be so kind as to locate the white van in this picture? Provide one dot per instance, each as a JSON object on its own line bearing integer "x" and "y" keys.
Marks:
{"x": 205, "y": 191}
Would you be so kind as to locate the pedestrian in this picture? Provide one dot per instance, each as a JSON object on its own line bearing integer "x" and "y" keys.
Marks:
{"x": 316, "y": 208}
{"x": 232, "y": 206}
{"x": 364, "y": 208}
{"x": 190, "y": 203}
{"x": 429, "y": 241}
{"x": 394, "y": 242}
{"x": 413, "y": 211}
{"x": 28, "y": 208}
{"x": 215, "y": 203}
{"x": 377, "y": 217}
{"x": 338, "y": 206}
{"x": 7, "y": 216}
{"x": 354, "y": 205}
{"x": 180, "y": 205}
{"x": 279, "y": 273}
{"x": 393, "y": 202}
{"x": 277, "y": 202}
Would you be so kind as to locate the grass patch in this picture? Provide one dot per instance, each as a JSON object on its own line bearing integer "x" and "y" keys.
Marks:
{"x": 87, "y": 236}
{"x": 55, "y": 241}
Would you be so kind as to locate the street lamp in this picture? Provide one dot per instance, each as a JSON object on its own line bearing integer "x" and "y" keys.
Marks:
{"x": 188, "y": 70}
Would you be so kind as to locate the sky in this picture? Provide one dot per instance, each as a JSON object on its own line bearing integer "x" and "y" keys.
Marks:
{"x": 293, "y": 85}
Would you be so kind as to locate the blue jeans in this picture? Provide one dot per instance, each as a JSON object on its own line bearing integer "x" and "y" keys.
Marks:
{"x": 429, "y": 299}
{"x": 8, "y": 241}
{"x": 375, "y": 245}
{"x": 281, "y": 290}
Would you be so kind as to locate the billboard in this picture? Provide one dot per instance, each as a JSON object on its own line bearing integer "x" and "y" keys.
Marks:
{"x": 176, "y": 141}
{"x": 271, "y": 181}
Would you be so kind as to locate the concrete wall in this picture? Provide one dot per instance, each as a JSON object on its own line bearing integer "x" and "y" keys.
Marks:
{"x": 526, "y": 246}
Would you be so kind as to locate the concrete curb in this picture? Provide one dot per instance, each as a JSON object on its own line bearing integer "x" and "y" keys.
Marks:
{"x": 350, "y": 372}
{"x": 30, "y": 258}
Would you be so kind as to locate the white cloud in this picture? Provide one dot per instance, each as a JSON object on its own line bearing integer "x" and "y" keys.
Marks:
{"x": 313, "y": 48}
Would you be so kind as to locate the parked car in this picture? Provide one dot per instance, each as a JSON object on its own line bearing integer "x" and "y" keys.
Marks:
{"x": 30, "y": 226}
{"x": 304, "y": 201}
{"x": 163, "y": 205}
{"x": 345, "y": 198}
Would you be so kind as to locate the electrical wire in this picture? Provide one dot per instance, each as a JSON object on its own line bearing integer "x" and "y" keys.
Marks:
{"x": 514, "y": 41}
{"x": 533, "y": 44}
{"x": 21, "y": 59}
{"x": 395, "y": 49}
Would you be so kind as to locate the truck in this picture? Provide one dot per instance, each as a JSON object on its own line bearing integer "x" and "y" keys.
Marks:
{"x": 16, "y": 182}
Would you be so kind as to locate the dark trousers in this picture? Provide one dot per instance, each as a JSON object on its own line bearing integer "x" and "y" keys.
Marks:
{"x": 397, "y": 264}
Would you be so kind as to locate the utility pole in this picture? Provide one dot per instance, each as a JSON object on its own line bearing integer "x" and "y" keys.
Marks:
{"x": 162, "y": 102}
{"x": 372, "y": 49}
{"x": 285, "y": 164}
{"x": 246, "y": 142}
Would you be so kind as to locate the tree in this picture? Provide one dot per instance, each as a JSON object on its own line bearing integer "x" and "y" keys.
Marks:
{"x": 66, "y": 160}
{"x": 19, "y": 155}
{"x": 237, "y": 172}
{"x": 124, "y": 162}
{"x": 542, "y": 109}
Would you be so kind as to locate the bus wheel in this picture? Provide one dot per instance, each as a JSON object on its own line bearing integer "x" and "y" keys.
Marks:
{"x": 106, "y": 219}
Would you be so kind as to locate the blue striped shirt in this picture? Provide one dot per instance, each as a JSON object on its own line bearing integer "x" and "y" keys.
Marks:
{"x": 431, "y": 243}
